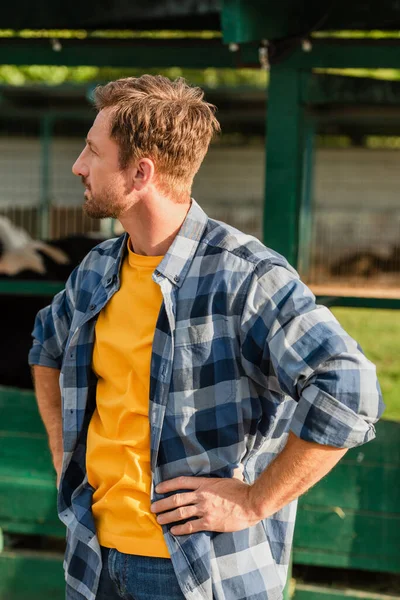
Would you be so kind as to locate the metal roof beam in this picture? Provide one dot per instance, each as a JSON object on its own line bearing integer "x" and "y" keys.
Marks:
{"x": 184, "y": 53}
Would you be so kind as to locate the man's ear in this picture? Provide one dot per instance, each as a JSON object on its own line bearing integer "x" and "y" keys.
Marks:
{"x": 143, "y": 174}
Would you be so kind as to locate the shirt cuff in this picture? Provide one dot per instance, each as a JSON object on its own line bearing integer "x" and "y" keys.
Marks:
{"x": 321, "y": 418}
{"x": 38, "y": 356}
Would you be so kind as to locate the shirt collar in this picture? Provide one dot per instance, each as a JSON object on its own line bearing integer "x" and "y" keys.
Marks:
{"x": 179, "y": 256}
{"x": 176, "y": 262}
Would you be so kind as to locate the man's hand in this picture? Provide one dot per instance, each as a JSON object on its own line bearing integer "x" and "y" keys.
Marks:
{"x": 219, "y": 505}
{"x": 232, "y": 505}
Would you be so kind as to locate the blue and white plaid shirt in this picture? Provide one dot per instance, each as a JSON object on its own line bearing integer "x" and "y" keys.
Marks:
{"x": 241, "y": 355}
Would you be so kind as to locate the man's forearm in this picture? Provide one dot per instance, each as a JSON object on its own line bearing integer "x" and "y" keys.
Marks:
{"x": 298, "y": 467}
{"x": 48, "y": 397}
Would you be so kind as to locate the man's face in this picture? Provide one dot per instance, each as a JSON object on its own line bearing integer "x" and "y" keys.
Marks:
{"x": 107, "y": 189}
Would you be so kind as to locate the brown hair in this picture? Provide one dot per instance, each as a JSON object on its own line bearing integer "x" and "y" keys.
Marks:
{"x": 167, "y": 121}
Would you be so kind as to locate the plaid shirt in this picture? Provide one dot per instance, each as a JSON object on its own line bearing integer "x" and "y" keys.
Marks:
{"x": 241, "y": 355}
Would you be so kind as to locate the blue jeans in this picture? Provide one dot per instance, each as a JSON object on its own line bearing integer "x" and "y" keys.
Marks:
{"x": 134, "y": 577}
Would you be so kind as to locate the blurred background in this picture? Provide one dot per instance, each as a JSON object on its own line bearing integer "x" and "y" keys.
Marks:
{"x": 308, "y": 162}
{"x": 353, "y": 236}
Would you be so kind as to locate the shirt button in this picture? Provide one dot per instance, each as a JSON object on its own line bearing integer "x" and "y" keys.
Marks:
{"x": 92, "y": 307}
{"x": 176, "y": 278}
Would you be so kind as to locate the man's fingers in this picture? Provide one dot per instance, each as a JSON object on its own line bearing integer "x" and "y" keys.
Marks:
{"x": 173, "y": 502}
{"x": 179, "y": 483}
{"x": 184, "y": 512}
{"x": 189, "y": 527}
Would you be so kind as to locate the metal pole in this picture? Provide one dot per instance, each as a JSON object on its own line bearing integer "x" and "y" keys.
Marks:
{"x": 46, "y": 131}
{"x": 283, "y": 163}
{"x": 288, "y": 592}
{"x": 306, "y": 199}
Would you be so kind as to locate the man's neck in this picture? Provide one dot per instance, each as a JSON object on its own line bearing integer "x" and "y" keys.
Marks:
{"x": 153, "y": 224}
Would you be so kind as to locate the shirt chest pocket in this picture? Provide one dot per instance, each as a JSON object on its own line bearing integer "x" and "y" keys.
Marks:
{"x": 204, "y": 369}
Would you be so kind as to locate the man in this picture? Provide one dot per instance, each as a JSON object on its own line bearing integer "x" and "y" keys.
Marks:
{"x": 202, "y": 389}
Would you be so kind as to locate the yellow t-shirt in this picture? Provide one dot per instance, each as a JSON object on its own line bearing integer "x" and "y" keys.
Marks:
{"x": 118, "y": 443}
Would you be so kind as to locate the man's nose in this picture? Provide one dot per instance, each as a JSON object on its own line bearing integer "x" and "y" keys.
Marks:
{"x": 79, "y": 168}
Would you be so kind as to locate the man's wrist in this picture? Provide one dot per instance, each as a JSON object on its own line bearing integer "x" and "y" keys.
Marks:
{"x": 259, "y": 502}
{"x": 57, "y": 456}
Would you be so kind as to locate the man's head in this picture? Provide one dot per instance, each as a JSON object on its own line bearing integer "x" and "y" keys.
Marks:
{"x": 149, "y": 131}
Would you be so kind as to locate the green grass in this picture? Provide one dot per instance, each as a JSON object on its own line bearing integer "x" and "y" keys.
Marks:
{"x": 378, "y": 333}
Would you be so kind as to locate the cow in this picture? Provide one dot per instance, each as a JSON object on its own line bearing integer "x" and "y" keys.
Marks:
{"x": 22, "y": 258}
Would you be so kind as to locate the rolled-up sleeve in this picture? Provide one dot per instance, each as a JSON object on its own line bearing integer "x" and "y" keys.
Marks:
{"x": 51, "y": 330}
{"x": 294, "y": 347}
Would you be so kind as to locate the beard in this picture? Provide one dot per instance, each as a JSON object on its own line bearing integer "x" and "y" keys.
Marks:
{"x": 104, "y": 205}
